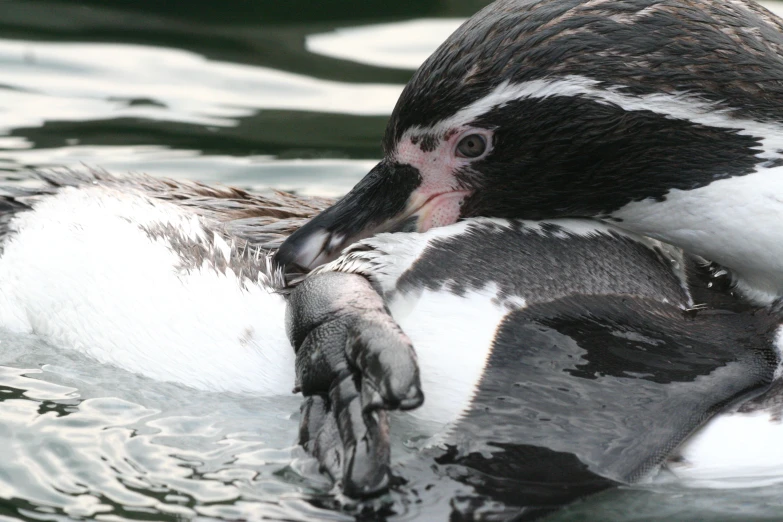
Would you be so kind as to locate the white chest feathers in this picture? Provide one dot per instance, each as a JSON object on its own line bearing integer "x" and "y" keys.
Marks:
{"x": 734, "y": 221}
{"x": 139, "y": 283}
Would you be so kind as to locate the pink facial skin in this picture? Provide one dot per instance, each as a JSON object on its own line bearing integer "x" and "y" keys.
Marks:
{"x": 441, "y": 210}
{"x": 438, "y": 200}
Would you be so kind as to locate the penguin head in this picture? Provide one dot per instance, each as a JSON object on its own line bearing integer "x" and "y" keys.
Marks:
{"x": 565, "y": 108}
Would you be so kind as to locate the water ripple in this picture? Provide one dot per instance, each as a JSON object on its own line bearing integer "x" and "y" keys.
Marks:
{"x": 400, "y": 45}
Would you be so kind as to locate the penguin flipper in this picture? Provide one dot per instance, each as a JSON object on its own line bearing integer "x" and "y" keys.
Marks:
{"x": 587, "y": 391}
{"x": 353, "y": 363}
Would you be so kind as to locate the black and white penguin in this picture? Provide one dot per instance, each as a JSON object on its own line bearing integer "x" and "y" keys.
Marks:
{"x": 513, "y": 323}
{"x": 662, "y": 117}
{"x": 557, "y": 358}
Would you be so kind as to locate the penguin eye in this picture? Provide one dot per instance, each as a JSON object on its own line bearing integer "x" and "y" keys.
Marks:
{"x": 471, "y": 146}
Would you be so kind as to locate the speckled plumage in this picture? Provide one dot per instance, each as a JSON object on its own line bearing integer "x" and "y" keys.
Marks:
{"x": 264, "y": 220}
{"x": 728, "y": 52}
{"x": 567, "y": 349}
{"x": 168, "y": 279}
{"x": 660, "y": 116}
{"x": 154, "y": 284}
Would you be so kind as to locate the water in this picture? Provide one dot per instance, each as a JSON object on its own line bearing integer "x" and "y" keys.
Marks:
{"x": 263, "y": 94}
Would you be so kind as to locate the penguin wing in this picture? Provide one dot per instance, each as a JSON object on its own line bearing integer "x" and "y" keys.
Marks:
{"x": 587, "y": 391}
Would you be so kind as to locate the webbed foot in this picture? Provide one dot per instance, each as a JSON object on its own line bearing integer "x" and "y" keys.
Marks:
{"x": 353, "y": 364}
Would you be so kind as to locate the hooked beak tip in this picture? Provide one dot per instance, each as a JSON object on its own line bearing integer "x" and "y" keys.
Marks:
{"x": 302, "y": 253}
{"x": 389, "y": 199}
{"x": 314, "y": 244}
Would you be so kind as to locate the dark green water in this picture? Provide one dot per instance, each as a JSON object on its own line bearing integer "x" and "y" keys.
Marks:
{"x": 258, "y": 93}
{"x": 218, "y": 91}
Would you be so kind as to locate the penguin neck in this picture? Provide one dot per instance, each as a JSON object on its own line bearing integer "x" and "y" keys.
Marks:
{"x": 735, "y": 222}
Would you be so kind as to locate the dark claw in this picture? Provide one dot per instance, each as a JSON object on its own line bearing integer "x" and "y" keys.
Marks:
{"x": 350, "y": 445}
{"x": 318, "y": 434}
{"x": 353, "y": 363}
{"x": 387, "y": 362}
{"x": 365, "y": 439}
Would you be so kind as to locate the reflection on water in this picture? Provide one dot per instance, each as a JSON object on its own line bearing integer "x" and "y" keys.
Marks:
{"x": 402, "y": 45}
{"x": 229, "y": 94}
{"x": 133, "y": 81}
{"x": 61, "y": 91}
{"x": 291, "y": 95}
{"x": 80, "y": 441}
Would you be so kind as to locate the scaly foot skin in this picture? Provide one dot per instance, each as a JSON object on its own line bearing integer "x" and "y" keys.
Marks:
{"x": 353, "y": 364}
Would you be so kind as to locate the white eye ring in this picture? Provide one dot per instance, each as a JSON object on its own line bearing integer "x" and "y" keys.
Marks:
{"x": 471, "y": 146}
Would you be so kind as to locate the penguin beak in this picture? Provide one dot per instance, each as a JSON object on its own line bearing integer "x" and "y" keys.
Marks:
{"x": 388, "y": 199}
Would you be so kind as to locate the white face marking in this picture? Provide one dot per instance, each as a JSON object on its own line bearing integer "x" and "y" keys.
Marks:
{"x": 683, "y": 106}
{"x": 734, "y": 221}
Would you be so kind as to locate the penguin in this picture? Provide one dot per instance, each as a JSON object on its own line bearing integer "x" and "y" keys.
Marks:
{"x": 557, "y": 358}
{"x": 503, "y": 338}
{"x": 661, "y": 117}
